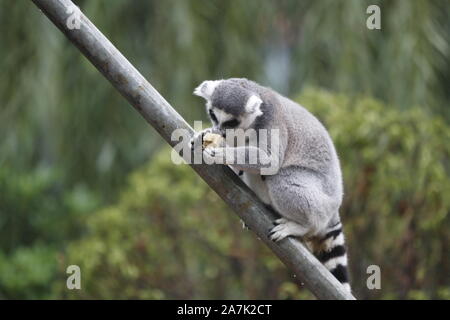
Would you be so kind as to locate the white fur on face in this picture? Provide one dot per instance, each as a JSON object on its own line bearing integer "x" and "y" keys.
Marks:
{"x": 221, "y": 115}
{"x": 246, "y": 119}
{"x": 252, "y": 107}
{"x": 206, "y": 88}
{"x": 253, "y": 110}
{"x": 253, "y": 104}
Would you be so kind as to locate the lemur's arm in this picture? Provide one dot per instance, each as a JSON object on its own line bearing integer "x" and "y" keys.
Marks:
{"x": 245, "y": 158}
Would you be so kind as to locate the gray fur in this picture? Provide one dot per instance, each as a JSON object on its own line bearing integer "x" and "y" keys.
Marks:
{"x": 306, "y": 189}
{"x": 308, "y": 185}
{"x": 230, "y": 97}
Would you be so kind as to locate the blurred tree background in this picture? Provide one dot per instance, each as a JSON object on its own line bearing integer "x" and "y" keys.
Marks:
{"x": 84, "y": 180}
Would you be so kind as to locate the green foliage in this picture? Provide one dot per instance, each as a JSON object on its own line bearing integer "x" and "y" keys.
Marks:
{"x": 38, "y": 216}
{"x": 170, "y": 236}
{"x": 25, "y": 218}
{"x": 28, "y": 272}
{"x": 68, "y": 141}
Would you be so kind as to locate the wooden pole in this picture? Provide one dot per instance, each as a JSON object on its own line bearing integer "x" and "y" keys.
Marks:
{"x": 158, "y": 112}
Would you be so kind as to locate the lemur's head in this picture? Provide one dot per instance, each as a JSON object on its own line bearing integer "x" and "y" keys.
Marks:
{"x": 230, "y": 104}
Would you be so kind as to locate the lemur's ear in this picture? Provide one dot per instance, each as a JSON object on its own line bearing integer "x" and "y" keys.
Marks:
{"x": 206, "y": 88}
{"x": 253, "y": 104}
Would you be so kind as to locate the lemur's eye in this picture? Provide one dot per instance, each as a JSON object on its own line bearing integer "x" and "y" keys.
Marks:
{"x": 231, "y": 123}
{"x": 212, "y": 116}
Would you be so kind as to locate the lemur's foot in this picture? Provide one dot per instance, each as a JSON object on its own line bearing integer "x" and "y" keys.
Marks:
{"x": 285, "y": 228}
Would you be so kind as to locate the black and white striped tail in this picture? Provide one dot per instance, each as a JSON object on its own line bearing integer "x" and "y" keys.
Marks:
{"x": 330, "y": 250}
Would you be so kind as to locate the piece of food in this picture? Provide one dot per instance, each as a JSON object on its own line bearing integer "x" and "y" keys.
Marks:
{"x": 212, "y": 140}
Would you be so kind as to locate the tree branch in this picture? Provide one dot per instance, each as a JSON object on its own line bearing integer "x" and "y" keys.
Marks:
{"x": 157, "y": 111}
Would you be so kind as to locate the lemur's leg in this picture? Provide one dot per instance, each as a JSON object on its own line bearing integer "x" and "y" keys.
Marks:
{"x": 297, "y": 195}
{"x": 286, "y": 228}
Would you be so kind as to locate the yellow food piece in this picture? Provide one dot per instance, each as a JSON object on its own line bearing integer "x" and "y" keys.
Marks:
{"x": 212, "y": 140}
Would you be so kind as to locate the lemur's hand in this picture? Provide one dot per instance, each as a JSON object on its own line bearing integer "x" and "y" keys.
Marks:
{"x": 214, "y": 155}
{"x": 197, "y": 138}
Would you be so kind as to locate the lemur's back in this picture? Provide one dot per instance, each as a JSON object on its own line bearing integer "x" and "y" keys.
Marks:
{"x": 309, "y": 144}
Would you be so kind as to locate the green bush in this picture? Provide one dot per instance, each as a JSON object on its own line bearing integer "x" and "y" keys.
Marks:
{"x": 396, "y": 205}
{"x": 39, "y": 215}
{"x": 170, "y": 236}
{"x": 28, "y": 272}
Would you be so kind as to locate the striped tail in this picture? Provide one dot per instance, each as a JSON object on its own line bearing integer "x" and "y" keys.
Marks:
{"x": 330, "y": 250}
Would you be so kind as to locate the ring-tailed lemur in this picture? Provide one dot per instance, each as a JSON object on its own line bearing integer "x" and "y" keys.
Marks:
{"x": 306, "y": 189}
